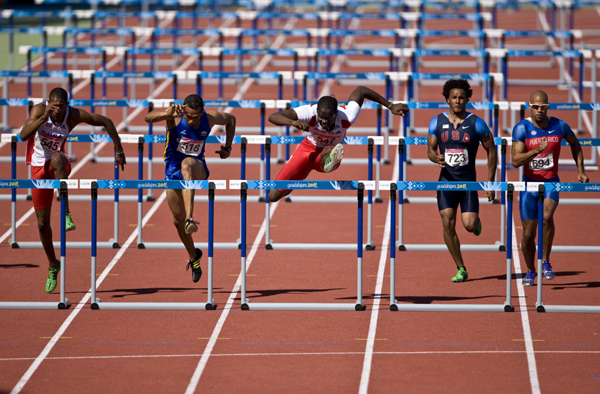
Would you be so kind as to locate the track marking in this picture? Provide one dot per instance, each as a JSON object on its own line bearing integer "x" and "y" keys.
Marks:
{"x": 219, "y": 326}
{"x": 533, "y": 374}
{"x": 43, "y": 355}
{"x": 385, "y": 243}
{"x": 518, "y": 352}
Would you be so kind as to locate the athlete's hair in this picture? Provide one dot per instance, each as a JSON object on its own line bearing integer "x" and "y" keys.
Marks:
{"x": 457, "y": 84}
{"x": 193, "y": 101}
{"x": 327, "y": 102}
{"x": 59, "y": 93}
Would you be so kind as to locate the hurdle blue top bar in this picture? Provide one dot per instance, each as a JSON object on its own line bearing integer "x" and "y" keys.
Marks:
{"x": 30, "y": 183}
{"x": 523, "y": 53}
{"x": 444, "y": 105}
{"x": 303, "y": 185}
{"x": 44, "y": 74}
{"x": 143, "y": 184}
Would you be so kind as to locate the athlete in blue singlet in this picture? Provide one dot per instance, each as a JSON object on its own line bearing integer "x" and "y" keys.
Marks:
{"x": 536, "y": 145}
{"x": 458, "y": 133}
{"x": 188, "y": 126}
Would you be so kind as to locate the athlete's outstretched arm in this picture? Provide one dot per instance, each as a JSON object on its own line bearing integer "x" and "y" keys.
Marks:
{"x": 432, "y": 151}
{"x": 288, "y": 117}
{"x": 81, "y": 116}
{"x": 362, "y": 92}
{"x": 227, "y": 120}
{"x": 578, "y": 157}
{"x": 168, "y": 114}
{"x": 38, "y": 116}
{"x": 490, "y": 147}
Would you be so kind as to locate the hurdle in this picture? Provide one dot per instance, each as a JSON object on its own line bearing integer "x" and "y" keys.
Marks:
{"x": 369, "y": 141}
{"x": 94, "y": 185}
{"x": 415, "y": 185}
{"x": 13, "y": 184}
{"x": 561, "y": 187}
{"x": 400, "y": 186}
{"x": 244, "y": 186}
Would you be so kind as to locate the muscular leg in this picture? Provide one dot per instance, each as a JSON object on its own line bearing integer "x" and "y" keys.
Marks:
{"x": 43, "y": 219}
{"x": 175, "y": 200}
{"x": 549, "y": 208}
{"x": 470, "y": 220}
{"x": 325, "y": 154}
{"x": 450, "y": 237}
{"x": 191, "y": 169}
{"x": 58, "y": 163}
{"x": 528, "y": 242}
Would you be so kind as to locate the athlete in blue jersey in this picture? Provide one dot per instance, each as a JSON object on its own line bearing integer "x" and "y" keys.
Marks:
{"x": 536, "y": 146}
{"x": 188, "y": 126}
{"x": 458, "y": 133}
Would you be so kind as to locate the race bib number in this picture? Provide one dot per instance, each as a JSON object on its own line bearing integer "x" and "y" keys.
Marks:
{"x": 456, "y": 157}
{"x": 190, "y": 147}
{"x": 542, "y": 162}
{"x": 50, "y": 144}
{"x": 324, "y": 140}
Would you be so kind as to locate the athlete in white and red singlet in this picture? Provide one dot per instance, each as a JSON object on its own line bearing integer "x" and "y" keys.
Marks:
{"x": 46, "y": 131}
{"x": 326, "y": 125}
{"x": 536, "y": 145}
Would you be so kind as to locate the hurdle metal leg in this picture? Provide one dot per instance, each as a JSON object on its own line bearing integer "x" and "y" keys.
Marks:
{"x": 358, "y": 305}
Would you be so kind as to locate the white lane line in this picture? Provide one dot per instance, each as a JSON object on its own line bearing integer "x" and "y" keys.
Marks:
{"x": 25, "y": 378}
{"x": 533, "y": 374}
{"x": 215, "y": 335}
{"x": 385, "y": 243}
{"x": 34, "y": 366}
{"x": 301, "y": 354}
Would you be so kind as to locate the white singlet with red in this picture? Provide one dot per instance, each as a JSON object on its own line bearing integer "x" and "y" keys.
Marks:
{"x": 48, "y": 139}
{"x": 346, "y": 116}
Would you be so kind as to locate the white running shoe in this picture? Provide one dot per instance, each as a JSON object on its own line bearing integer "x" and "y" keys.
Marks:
{"x": 335, "y": 157}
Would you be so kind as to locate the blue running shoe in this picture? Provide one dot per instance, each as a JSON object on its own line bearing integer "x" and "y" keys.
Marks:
{"x": 547, "y": 270}
{"x": 529, "y": 278}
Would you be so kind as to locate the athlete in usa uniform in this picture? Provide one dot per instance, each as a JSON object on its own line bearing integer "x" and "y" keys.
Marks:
{"x": 46, "y": 131}
{"x": 188, "y": 126}
{"x": 536, "y": 146}
{"x": 458, "y": 133}
{"x": 326, "y": 125}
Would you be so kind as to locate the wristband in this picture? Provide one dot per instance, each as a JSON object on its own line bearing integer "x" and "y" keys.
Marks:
{"x": 390, "y": 106}
{"x": 226, "y": 148}
{"x": 119, "y": 153}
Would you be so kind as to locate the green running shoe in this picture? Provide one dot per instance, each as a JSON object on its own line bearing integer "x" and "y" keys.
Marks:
{"x": 52, "y": 278}
{"x": 461, "y": 275}
{"x": 69, "y": 225}
{"x": 478, "y": 229}
{"x": 335, "y": 157}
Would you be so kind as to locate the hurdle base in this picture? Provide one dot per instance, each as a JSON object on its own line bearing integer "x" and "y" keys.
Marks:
{"x": 71, "y": 245}
{"x": 179, "y": 245}
{"x": 508, "y": 307}
{"x": 572, "y": 308}
{"x": 539, "y": 307}
{"x": 64, "y": 305}
{"x": 395, "y": 306}
{"x": 443, "y": 248}
{"x": 195, "y": 306}
{"x": 276, "y": 306}
{"x": 369, "y": 246}
{"x": 301, "y": 246}
{"x": 33, "y": 305}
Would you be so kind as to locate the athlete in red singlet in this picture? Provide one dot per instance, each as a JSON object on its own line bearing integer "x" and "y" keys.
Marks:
{"x": 45, "y": 131}
{"x": 326, "y": 125}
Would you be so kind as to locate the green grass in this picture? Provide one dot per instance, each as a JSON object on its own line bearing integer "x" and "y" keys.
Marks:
{"x": 28, "y": 39}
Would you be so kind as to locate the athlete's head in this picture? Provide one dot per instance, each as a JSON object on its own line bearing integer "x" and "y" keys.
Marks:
{"x": 193, "y": 108}
{"x": 327, "y": 111}
{"x": 59, "y": 99}
{"x": 457, "y": 93}
{"x": 538, "y": 104}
